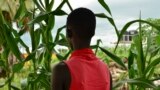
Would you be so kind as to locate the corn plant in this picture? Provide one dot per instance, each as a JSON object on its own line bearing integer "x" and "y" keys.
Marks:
{"x": 142, "y": 59}
{"x": 42, "y": 43}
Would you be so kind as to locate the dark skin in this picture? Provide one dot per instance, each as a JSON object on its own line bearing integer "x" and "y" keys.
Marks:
{"x": 61, "y": 75}
{"x": 62, "y": 78}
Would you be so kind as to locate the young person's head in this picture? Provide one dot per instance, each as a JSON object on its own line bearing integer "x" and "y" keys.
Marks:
{"x": 81, "y": 25}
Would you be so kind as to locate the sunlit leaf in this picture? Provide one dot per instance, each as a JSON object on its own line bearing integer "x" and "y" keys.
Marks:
{"x": 21, "y": 10}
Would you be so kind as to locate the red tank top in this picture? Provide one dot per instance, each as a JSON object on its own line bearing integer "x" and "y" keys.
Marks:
{"x": 87, "y": 71}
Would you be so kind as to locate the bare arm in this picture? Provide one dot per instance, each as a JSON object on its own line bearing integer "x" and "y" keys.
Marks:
{"x": 61, "y": 78}
{"x": 110, "y": 81}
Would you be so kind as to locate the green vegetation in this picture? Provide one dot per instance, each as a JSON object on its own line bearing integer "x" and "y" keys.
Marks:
{"x": 33, "y": 71}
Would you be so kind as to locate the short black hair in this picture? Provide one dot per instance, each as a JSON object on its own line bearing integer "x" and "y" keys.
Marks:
{"x": 84, "y": 22}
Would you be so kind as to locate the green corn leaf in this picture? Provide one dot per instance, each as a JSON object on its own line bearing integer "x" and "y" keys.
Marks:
{"x": 21, "y": 10}
{"x": 98, "y": 43}
{"x": 130, "y": 59}
{"x": 5, "y": 53}
{"x": 102, "y": 15}
{"x": 42, "y": 4}
{"x": 62, "y": 42}
{"x": 43, "y": 80}
{"x": 17, "y": 67}
{"x": 2, "y": 18}
{"x": 39, "y": 18}
{"x": 60, "y": 57}
{"x": 37, "y": 37}
{"x": 38, "y": 5}
{"x": 58, "y": 33}
{"x": 24, "y": 45}
{"x": 139, "y": 47}
{"x": 132, "y": 72}
{"x": 63, "y": 58}
{"x": 51, "y": 23}
{"x": 11, "y": 42}
{"x": 21, "y": 32}
{"x": 66, "y": 56}
{"x": 44, "y": 16}
{"x": 2, "y": 63}
{"x": 2, "y": 39}
{"x": 93, "y": 46}
{"x": 158, "y": 40}
{"x": 30, "y": 56}
{"x": 15, "y": 87}
{"x": 150, "y": 73}
{"x": 155, "y": 51}
{"x": 61, "y": 5}
{"x": 140, "y": 82}
{"x": 51, "y": 5}
{"x": 138, "y": 55}
{"x": 40, "y": 58}
{"x": 58, "y": 12}
{"x": 148, "y": 44}
{"x": 45, "y": 84}
{"x": 69, "y": 5}
{"x": 102, "y": 2}
{"x": 65, "y": 40}
{"x": 62, "y": 36}
{"x": 143, "y": 59}
{"x": 47, "y": 5}
{"x": 152, "y": 64}
{"x": 124, "y": 29}
{"x": 2, "y": 85}
{"x": 20, "y": 40}
{"x": 114, "y": 57}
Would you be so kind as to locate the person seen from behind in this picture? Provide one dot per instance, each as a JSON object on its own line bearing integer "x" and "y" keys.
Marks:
{"x": 83, "y": 70}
